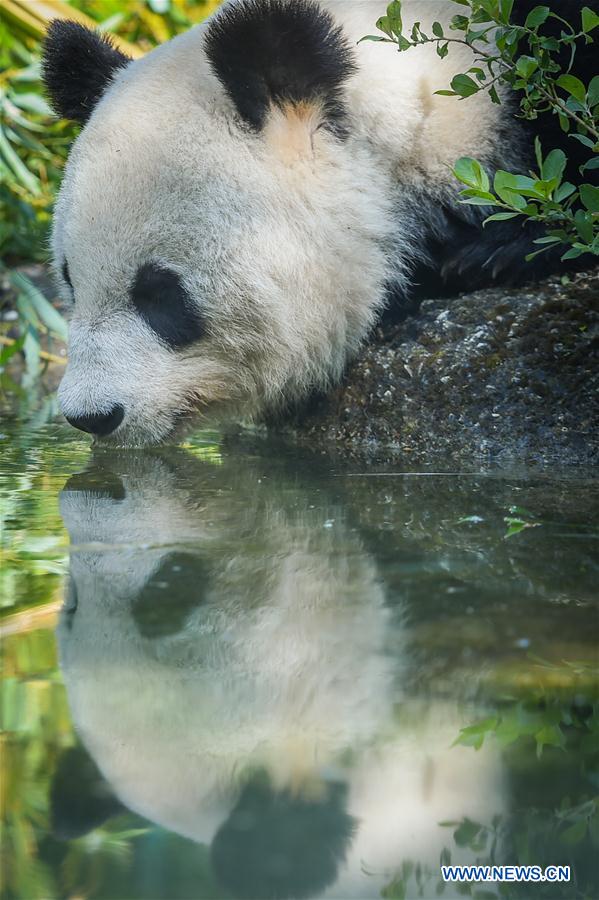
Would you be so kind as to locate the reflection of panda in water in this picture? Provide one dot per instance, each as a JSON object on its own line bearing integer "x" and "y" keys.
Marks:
{"x": 244, "y": 200}
{"x": 232, "y": 668}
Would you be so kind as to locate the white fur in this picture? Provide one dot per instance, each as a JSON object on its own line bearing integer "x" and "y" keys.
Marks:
{"x": 289, "y": 663}
{"x": 285, "y": 240}
{"x": 283, "y": 663}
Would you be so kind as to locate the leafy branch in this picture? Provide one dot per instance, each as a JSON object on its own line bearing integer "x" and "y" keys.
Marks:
{"x": 526, "y": 59}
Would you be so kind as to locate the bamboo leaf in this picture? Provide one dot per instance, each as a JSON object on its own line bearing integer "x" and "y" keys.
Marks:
{"x": 42, "y": 307}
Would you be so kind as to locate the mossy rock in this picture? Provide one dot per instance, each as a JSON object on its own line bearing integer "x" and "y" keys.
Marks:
{"x": 502, "y": 373}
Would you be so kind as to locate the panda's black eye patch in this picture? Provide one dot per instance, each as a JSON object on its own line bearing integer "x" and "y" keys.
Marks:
{"x": 66, "y": 274}
{"x": 170, "y": 595}
{"x": 161, "y": 300}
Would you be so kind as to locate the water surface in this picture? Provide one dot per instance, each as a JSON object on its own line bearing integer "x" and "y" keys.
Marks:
{"x": 237, "y": 670}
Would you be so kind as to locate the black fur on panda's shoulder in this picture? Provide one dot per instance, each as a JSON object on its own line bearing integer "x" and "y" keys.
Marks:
{"x": 77, "y": 67}
{"x": 277, "y": 51}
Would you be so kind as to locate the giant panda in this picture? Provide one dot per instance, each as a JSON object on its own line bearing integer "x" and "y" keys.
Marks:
{"x": 237, "y": 676}
{"x": 245, "y": 200}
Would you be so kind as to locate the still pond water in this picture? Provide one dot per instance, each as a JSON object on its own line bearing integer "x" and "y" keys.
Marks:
{"x": 236, "y": 670}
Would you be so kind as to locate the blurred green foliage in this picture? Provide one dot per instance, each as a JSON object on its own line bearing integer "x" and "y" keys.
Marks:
{"x": 33, "y": 143}
{"x": 39, "y": 326}
{"x": 33, "y": 148}
{"x": 111, "y": 860}
{"x": 147, "y": 22}
{"x": 33, "y": 541}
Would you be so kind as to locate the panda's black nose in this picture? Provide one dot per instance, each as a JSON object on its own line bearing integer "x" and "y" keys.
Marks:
{"x": 100, "y": 424}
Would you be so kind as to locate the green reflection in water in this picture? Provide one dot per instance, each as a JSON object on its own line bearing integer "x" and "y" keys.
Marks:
{"x": 268, "y": 657}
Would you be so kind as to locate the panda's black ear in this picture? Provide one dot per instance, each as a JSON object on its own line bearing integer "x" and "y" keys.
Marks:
{"x": 287, "y": 53}
{"x": 77, "y": 67}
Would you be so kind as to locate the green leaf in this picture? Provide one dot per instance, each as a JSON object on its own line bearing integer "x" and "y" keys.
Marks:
{"x": 469, "y": 171}
{"x": 395, "y": 890}
{"x": 477, "y": 200}
{"x": 573, "y": 86}
{"x": 476, "y": 194}
{"x": 437, "y": 29}
{"x": 589, "y": 19}
{"x": 549, "y": 239}
{"x": 549, "y": 735}
{"x": 394, "y": 10}
{"x": 505, "y": 10}
{"x": 478, "y": 72}
{"x": 508, "y": 731}
{"x": 394, "y": 16}
{"x": 589, "y": 194}
{"x": 383, "y": 24}
{"x": 505, "y": 187}
{"x": 564, "y": 121}
{"x": 516, "y": 525}
{"x": 554, "y": 165}
{"x": 459, "y": 23}
{"x": 31, "y": 102}
{"x": 474, "y": 735}
{"x": 523, "y": 185}
{"x": 513, "y": 199}
{"x": 13, "y": 161}
{"x": 583, "y": 139}
{"x": 584, "y": 225}
{"x": 41, "y": 307}
{"x": 593, "y": 91}
{"x": 494, "y": 95}
{"x": 574, "y": 253}
{"x": 537, "y": 16}
{"x": 539, "y": 153}
{"x": 466, "y": 833}
{"x": 31, "y": 349}
{"x": 112, "y": 23}
{"x": 416, "y": 34}
{"x": 530, "y": 256}
{"x": 11, "y": 349}
{"x": 564, "y": 191}
{"x": 28, "y": 74}
{"x": 549, "y": 43}
{"x": 464, "y": 85}
{"x": 525, "y": 66}
{"x": 13, "y": 114}
{"x": 442, "y": 51}
{"x": 27, "y": 312}
{"x": 501, "y": 217}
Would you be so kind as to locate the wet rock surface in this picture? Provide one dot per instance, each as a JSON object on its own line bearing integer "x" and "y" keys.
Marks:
{"x": 499, "y": 373}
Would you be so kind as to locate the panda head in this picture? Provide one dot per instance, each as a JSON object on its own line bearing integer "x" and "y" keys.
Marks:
{"x": 221, "y": 656}
{"x": 218, "y": 239}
